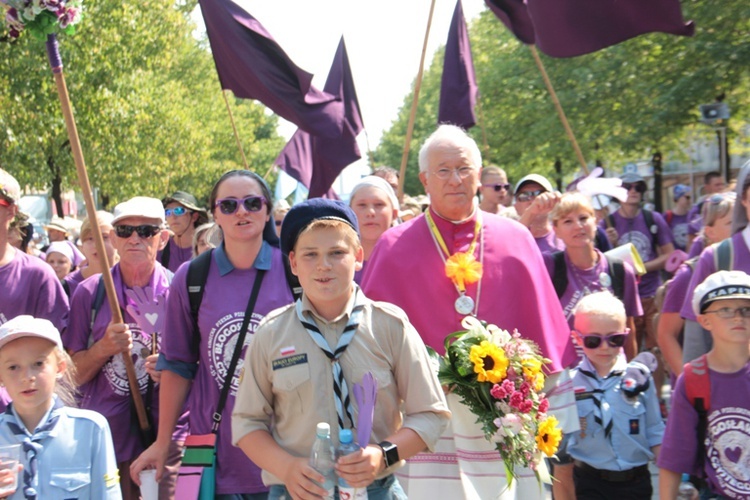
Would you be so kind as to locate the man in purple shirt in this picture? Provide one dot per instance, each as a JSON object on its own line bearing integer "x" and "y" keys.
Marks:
{"x": 678, "y": 218}
{"x": 97, "y": 344}
{"x": 535, "y": 199}
{"x": 183, "y": 215}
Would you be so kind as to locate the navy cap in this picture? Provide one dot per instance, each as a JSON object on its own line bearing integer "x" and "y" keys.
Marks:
{"x": 300, "y": 216}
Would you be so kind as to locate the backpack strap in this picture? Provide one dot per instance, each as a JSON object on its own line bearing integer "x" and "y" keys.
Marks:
{"x": 698, "y": 391}
{"x": 66, "y": 287}
{"x": 617, "y": 272}
{"x": 99, "y": 297}
{"x": 668, "y": 216}
{"x": 197, "y": 275}
{"x": 560, "y": 274}
{"x": 648, "y": 217}
{"x": 724, "y": 255}
{"x": 164, "y": 259}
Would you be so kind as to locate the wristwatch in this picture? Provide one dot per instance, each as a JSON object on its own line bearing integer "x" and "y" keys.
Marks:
{"x": 390, "y": 453}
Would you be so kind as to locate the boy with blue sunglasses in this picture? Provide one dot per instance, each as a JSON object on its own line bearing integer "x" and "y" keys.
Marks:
{"x": 621, "y": 429}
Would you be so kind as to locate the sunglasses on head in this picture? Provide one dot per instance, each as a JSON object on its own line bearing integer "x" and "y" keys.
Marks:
{"x": 498, "y": 187}
{"x": 528, "y": 195}
{"x": 176, "y": 211}
{"x": 638, "y": 186}
{"x": 144, "y": 231}
{"x": 253, "y": 203}
{"x": 594, "y": 341}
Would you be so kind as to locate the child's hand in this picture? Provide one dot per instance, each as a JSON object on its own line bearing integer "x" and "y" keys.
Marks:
{"x": 360, "y": 469}
{"x": 8, "y": 477}
{"x": 151, "y": 368}
{"x": 300, "y": 480}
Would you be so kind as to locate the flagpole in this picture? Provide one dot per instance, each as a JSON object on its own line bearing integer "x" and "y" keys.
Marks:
{"x": 55, "y": 61}
{"x": 234, "y": 128}
{"x": 414, "y": 102}
{"x": 559, "y": 109}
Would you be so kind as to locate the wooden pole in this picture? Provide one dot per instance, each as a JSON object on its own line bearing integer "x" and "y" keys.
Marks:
{"x": 88, "y": 198}
{"x": 414, "y": 102}
{"x": 234, "y": 128}
{"x": 559, "y": 109}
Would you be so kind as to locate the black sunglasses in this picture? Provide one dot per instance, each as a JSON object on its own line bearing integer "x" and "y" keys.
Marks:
{"x": 498, "y": 187}
{"x": 144, "y": 231}
{"x": 594, "y": 341}
{"x": 639, "y": 186}
{"x": 253, "y": 203}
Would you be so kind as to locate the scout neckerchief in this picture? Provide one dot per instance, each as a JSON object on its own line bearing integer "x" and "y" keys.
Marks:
{"x": 602, "y": 412}
{"x": 341, "y": 391}
{"x": 32, "y": 443}
{"x": 462, "y": 268}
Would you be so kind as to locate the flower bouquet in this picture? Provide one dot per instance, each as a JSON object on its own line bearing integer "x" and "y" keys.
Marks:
{"x": 42, "y": 17}
{"x": 499, "y": 377}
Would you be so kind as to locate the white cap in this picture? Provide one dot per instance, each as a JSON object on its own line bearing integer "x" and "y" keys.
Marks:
{"x": 140, "y": 206}
{"x": 61, "y": 247}
{"x": 376, "y": 182}
{"x": 29, "y": 326}
{"x": 723, "y": 285}
{"x": 539, "y": 179}
{"x": 9, "y": 187}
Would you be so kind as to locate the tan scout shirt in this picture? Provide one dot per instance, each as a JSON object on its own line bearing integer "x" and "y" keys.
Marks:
{"x": 287, "y": 379}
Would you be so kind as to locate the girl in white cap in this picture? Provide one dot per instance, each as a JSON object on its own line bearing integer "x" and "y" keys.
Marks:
{"x": 65, "y": 452}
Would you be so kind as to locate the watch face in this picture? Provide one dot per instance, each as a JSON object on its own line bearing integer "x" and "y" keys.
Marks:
{"x": 390, "y": 453}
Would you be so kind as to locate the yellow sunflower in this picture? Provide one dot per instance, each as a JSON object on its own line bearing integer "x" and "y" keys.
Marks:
{"x": 490, "y": 362}
{"x": 548, "y": 436}
{"x": 463, "y": 269}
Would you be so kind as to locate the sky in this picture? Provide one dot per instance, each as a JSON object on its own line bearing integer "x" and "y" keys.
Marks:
{"x": 384, "y": 41}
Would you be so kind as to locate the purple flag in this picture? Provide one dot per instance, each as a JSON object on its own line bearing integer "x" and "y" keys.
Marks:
{"x": 514, "y": 15}
{"x": 316, "y": 161}
{"x": 252, "y": 65}
{"x": 458, "y": 88}
{"x": 569, "y": 28}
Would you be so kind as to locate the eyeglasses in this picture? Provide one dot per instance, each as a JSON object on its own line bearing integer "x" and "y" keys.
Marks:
{"x": 594, "y": 341}
{"x": 143, "y": 231}
{"x": 176, "y": 211}
{"x": 252, "y": 203}
{"x": 498, "y": 187}
{"x": 729, "y": 313}
{"x": 447, "y": 173}
{"x": 638, "y": 186}
{"x": 528, "y": 195}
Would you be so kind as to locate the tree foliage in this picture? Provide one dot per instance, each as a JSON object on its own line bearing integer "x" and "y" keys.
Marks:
{"x": 624, "y": 102}
{"x": 147, "y": 103}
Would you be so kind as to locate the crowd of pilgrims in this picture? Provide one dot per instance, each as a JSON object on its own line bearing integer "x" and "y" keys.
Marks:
{"x": 149, "y": 242}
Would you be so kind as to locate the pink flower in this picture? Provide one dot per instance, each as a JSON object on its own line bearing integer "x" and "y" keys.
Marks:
{"x": 69, "y": 17}
{"x": 509, "y": 425}
{"x": 543, "y": 405}
{"x": 498, "y": 392}
{"x": 53, "y": 5}
{"x": 526, "y": 406}
{"x": 516, "y": 399}
{"x": 525, "y": 389}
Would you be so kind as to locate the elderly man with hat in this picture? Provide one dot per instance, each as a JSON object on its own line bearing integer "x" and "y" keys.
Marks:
{"x": 97, "y": 344}
{"x": 27, "y": 284}
{"x": 512, "y": 290}
{"x": 183, "y": 215}
{"x": 535, "y": 199}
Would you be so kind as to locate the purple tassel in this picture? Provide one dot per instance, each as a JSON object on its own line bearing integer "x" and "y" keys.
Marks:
{"x": 366, "y": 394}
{"x": 53, "y": 54}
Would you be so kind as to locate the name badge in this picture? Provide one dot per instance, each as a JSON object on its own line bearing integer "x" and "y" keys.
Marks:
{"x": 289, "y": 361}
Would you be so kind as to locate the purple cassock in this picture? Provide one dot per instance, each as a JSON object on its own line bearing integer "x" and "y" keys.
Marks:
{"x": 458, "y": 86}
{"x": 253, "y": 65}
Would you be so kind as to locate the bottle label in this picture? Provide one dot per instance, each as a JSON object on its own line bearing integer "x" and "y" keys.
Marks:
{"x": 349, "y": 493}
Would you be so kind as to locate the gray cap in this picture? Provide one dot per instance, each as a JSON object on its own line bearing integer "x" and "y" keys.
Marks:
{"x": 539, "y": 179}
{"x": 632, "y": 178}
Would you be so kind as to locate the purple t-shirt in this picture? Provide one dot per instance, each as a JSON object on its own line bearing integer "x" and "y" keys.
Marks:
{"x": 108, "y": 392}
{"x": 28, "y": 285}
{"x": 73, "y": 280}
{"x": 695, "y": 220}
{"x": 679, "y": 227}
{"x": 635, "y": 231}
{"x": 706, "y": 267}
{"x": 677, "y": 289}
{"x": 359, "y": 274}
{"x": 225, "y": 298}
{"x": 549, "y": 243}
{"x": 696, "y": 248}
{"x": 582, "y": 282}
{"x": 177, "y": 255}
{"x": 727, "y": 452}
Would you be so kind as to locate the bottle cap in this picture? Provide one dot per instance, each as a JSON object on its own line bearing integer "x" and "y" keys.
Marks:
{"x": 345, "y": 436}
{"x": 323, "y": 429}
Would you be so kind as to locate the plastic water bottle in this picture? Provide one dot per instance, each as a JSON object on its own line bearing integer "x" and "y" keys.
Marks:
{"x": 687, "y": 491}
{"x": 323, "y": 458}
{"x": 347, "y": 446}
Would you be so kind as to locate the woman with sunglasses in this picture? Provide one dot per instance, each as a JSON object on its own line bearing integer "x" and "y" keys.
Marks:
{"x": 717, "y": 214}
{"x": 194, "y": 362}
{"x": 183, "y": 216}
{"x": 588, "y": 270}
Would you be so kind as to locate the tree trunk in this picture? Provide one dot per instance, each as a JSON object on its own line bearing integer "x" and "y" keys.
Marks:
{"x": 656, "y": 162}
{"x": 56, "y": 186}
{"x": 104, "y": 198}
{"x": 558, "y": 174}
